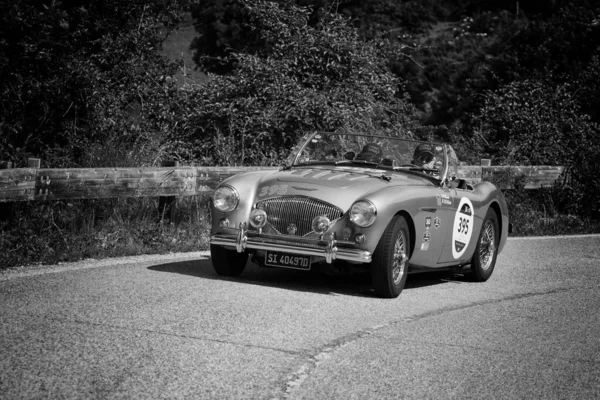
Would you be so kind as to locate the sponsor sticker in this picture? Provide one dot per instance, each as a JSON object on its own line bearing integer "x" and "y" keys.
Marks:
{"x": 437, "y": 222}
{"x": 426, "y": 236}
{"x": 427, "y": 223}
{"x": 424, "y": 246}
{"x": 463, "y": 227}
{"x": 443, "y": 199}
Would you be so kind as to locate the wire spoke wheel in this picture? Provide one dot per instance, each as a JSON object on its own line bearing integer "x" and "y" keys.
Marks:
{"x": 488, "y": 245}
{"x": 390, "y": 259}
{"x": 399, "y": 264}
{"x": 486, "y": 251}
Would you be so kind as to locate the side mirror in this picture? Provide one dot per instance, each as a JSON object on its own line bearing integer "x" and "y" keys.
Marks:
{"x": 350, "y": 155}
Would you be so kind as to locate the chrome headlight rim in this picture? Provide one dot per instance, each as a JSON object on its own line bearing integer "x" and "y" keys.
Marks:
{"x": 229, "y": 205}
{"x": 365, "y": 216}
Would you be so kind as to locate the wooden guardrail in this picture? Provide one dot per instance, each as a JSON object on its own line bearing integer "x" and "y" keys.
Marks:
{"x": 535, "y": 176}
{"x": 29, "y": 184}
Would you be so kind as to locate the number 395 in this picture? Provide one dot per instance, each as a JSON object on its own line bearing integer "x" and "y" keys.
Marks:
{"x": 463, "y": 226}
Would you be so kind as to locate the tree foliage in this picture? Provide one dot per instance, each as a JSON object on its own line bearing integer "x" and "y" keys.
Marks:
{"x": 533, "y": 123}
{"x": 537, "y": 123}
{"x": 73, "y": 72}
{"x": 82, "y": 83}
{"x": 303, "y": 78}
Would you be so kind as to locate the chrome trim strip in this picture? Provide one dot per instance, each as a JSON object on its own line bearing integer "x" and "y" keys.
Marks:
{"x": 330, "y": 252}
{"x": 314, "y": 241}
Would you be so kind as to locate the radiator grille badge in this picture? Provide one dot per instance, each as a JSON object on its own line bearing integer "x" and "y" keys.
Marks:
{"x": 292, "y": 229}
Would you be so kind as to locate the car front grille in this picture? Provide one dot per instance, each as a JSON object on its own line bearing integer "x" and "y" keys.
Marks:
{"x": 282, "y": 212}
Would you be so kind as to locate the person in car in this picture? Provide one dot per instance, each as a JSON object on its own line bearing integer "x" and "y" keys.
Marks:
{"x": 424, "y": 157}
{"x": 371, "y": 152}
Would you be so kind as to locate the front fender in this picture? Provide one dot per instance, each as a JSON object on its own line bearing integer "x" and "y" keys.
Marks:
{"x": 246, "y": 185}
{"x": 405, "y": 200}
{"x": 492, "y": 197}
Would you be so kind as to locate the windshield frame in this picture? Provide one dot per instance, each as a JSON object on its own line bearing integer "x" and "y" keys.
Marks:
{"x": 299, "y": 150}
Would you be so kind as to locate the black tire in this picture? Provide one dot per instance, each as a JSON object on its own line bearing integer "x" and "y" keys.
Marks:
{"x": 389, "y": 267}
{"x": 227, "y": 262}
{"x": 486, "y": 251}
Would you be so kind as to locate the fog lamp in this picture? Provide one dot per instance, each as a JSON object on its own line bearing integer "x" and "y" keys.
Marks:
{"x": 360, "y": 238}
{"x": 258, "y": 218}
{"x": 320, "y": 224}
{"x": 224, "y": 223}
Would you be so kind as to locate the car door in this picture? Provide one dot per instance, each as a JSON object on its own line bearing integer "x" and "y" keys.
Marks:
{"x": 432, "y": 222}
{"x": 461, "y": 233}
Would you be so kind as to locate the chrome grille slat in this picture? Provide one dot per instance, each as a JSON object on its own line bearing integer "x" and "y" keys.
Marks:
{"x": 282, "y": 211}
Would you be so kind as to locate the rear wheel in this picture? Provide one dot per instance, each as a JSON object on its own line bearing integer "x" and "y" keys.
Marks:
{"x": 390, "y": 259}
{"x": 227, "y": 262}
{"x": 484, "y": 258}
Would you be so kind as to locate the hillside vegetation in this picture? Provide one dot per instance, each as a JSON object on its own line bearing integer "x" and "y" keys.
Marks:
{"x": 84, "y": 84}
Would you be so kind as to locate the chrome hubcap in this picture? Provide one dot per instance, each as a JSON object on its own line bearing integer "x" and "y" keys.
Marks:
{"x": 487, "y": 245}
{"x": 400, "y": 258}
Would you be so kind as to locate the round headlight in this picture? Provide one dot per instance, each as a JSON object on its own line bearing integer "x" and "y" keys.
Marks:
{"x": 258, "y": 218}
{"x": 320, "y": 224}
{"x": 225, "y": 198}
{"x": 363, "y": 213}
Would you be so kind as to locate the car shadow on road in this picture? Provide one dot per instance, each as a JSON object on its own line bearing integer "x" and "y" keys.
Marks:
{"x": 322, "y": 281}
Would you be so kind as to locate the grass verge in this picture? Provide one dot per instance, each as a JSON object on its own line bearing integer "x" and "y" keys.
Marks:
{"x": 59, "y": 231}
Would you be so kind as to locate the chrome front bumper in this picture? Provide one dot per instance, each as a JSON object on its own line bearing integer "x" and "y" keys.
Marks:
{"x": 330, "y": 251}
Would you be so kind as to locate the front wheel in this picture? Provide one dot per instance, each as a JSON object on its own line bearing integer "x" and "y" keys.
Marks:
{"x": 390, "y": 259}
{"x": 227, "y": 262}
{"x": 484, "y": 258}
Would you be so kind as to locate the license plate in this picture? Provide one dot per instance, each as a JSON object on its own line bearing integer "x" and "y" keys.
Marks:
{"x": 285, "y": 260}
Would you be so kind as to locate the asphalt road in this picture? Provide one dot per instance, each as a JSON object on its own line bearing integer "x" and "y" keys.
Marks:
{"x": 168, "y": 327}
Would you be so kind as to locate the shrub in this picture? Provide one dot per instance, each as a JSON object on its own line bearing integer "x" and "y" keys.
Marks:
{"x": 79, "y": 75}
{"x": 304, "y": 78}
{"x": 57, "y": 231}
{"x": 533, "y": 123}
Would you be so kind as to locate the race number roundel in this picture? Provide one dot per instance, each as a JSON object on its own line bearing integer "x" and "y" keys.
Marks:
{"x": 463, "y": 227}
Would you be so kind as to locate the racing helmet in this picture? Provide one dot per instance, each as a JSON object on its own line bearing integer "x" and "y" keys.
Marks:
{"x": 423, "y": 154}
{"x": 371, "y": 152}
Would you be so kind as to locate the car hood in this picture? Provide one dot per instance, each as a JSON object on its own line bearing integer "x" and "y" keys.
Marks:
{"x": 339, "y": 186}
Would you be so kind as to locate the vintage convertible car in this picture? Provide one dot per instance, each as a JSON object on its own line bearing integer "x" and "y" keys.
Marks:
{"x": 384, "y": 203}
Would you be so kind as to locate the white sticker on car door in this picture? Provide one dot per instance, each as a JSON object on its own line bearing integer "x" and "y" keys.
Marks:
{"x": 463, "y": 227}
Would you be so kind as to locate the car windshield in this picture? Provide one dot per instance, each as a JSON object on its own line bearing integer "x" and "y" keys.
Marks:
{"x": 372, "y": 152}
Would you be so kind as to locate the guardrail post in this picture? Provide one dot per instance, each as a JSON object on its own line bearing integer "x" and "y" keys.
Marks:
{"x": 167, "y": 204}
{"x": 6, "y": 209}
